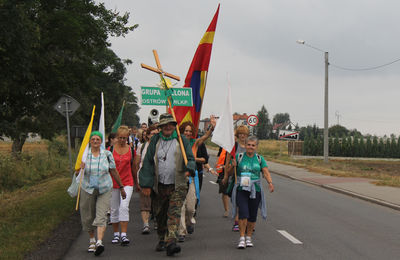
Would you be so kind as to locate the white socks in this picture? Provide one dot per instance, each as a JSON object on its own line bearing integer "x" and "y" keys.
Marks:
{"x": 123, "y": 234}
{"x": 92, "y": 240}
{"x": 116, "y": 234}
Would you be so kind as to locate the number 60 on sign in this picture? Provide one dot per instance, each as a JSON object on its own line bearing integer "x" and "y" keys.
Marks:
{"x": 252, "y": 120}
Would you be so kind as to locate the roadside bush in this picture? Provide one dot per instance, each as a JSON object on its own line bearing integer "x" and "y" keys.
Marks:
{"x": 30, "y": 169}
{"x": 58, "y": 146}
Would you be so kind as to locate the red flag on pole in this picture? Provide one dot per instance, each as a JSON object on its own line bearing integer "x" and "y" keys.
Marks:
{"x": 196, "y": 77}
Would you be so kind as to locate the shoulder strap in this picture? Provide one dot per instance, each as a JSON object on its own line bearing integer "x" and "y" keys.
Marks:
{"x": 240, "y": 157}
{"x": 112, "y": 148}
{"x": 258, "y": 158}
{"x": 142, "y": 148}
{"x": 132, "y": 154}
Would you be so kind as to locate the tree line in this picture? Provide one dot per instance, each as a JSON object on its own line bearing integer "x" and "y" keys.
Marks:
{"x": 54, "y": 47}
{"x": 343, "y": 142}
{"x": 354, "y": 146}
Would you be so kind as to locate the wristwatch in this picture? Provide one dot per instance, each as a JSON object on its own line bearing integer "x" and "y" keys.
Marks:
{"x": 210, "y": 169}
{"x": 121, "y": 187}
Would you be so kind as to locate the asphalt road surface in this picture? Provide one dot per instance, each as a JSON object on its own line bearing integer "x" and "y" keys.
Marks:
{"x": 304, "y": 222}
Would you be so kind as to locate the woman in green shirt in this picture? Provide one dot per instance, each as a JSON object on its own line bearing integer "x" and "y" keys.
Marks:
{"x": 249, "y": 193}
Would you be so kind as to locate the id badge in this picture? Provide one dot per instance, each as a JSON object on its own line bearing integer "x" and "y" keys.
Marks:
{"x": 245, "y": 179}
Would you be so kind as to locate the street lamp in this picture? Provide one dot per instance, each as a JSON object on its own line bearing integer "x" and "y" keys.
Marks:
{"x": 326, "y": 144}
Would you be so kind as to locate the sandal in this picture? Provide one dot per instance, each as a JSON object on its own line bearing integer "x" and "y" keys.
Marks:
{"x": 242, "y": 244}
{"x": 124, "y": 241}
{"x": 249, "y": 243}
{"x": 235, "y": 228}
{"x": 115, "y": 240}
{"x": 99, "y": 249}
{"x": 92, "y": 247}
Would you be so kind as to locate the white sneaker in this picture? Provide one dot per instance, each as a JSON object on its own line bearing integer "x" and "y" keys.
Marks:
{"x": 242, "y": 243}
{"x": 249, "y": 243}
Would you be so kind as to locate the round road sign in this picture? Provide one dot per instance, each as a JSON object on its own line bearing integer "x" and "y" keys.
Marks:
{"x": 252, "y": 120}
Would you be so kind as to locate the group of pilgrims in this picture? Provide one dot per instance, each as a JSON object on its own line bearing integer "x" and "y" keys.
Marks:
{"x": 166, "y": 168}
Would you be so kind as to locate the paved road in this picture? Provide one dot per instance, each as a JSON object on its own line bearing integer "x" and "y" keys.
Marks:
{"x": 305, "y": 222}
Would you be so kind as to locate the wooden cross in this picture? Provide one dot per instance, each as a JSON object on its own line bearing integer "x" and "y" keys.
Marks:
{"x": 159, "y": 69}
{"x": 162, "y": 74}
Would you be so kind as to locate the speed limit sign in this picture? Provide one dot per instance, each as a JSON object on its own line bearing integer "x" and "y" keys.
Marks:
{"x": 252, "y": 120}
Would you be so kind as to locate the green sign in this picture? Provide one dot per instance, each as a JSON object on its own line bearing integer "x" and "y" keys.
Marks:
{"x": 154, "y": 96}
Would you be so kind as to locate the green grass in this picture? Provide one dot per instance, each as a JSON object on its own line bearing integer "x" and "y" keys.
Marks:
{"x": 33, "y": 166}
{"x": 29, "y": 215}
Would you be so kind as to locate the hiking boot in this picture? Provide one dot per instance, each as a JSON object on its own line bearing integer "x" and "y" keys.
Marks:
{"x": 172, "y": 249}
{"x": 160, "y": 246}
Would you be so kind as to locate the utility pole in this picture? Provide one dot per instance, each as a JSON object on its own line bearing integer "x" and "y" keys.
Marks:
{"x": 326, "y": 144}
{"x": 326, "y": 149}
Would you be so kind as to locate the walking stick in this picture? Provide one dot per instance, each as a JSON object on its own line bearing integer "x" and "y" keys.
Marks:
{"x": 178, "y": 132}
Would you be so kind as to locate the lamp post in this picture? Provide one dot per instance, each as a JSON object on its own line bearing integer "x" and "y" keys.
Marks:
{"x": 326, "y": 144}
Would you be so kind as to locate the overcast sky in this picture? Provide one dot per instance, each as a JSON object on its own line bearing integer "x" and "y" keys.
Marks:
{"x": 255, "y": 46}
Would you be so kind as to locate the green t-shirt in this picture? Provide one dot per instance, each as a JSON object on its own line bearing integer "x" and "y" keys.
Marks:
{"x": 251, "y": 165}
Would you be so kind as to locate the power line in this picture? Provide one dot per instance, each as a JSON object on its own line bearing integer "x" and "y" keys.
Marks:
{"x": 364, "y": 69}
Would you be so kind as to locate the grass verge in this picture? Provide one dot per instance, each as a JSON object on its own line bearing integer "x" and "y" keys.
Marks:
{"x": 29, "y": 215}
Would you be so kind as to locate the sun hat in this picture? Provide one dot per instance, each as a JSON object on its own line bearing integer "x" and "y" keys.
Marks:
{"x": 166, "y": 118}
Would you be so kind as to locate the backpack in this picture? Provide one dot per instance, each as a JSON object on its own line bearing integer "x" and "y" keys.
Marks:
{"x": 241, "y": 157}
{"x": 132, "y": 152}
{"x": 219, "y": 165}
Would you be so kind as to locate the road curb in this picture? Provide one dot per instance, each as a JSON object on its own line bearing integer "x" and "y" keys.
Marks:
{"x": 344, "y": 191}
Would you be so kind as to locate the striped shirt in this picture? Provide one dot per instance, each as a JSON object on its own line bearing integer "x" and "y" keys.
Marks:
{"x": 97, "y": 175}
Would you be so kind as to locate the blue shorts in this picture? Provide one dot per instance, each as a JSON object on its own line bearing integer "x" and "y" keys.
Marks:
{"x": 248, "y": 208}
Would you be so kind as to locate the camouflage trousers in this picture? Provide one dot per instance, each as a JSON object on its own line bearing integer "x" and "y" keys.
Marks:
{"x": 167, "y": 205}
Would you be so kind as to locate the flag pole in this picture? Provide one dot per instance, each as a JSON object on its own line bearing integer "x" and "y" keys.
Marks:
{"x": 82, "y": 172}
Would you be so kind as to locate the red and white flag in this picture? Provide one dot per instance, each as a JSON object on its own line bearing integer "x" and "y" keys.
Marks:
{"x": 224, "y": 134}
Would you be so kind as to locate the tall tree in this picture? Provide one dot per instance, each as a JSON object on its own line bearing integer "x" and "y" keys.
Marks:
{"x": 52, "y": 47}
{"x": 263, "y": 129}
{"x": 338, "y": 130}
{"x": 281, "y": 118}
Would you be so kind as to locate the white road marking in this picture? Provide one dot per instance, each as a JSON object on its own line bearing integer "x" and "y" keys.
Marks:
{"x": 213, "y": 182}
{"x": 290, "y": 237}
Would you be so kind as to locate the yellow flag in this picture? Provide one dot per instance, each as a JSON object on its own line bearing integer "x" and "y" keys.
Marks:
{"x": 85, "y": 142}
